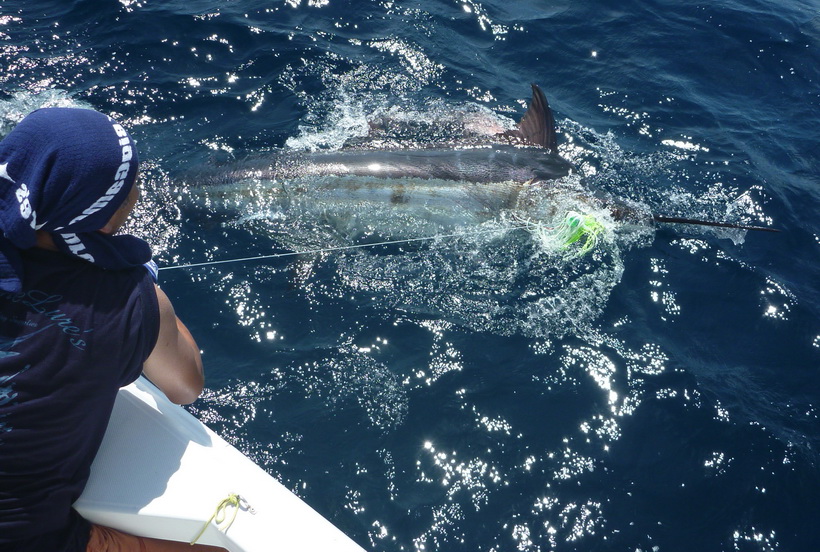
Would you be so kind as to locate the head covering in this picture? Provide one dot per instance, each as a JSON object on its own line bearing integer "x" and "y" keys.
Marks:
{"x": 66, "y": 171}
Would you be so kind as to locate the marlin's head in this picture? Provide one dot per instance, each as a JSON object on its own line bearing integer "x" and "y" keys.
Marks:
{"x": 629, "y": 213}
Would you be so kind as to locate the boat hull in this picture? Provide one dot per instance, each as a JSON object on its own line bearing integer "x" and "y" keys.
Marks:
{"x": 161, "y": 473}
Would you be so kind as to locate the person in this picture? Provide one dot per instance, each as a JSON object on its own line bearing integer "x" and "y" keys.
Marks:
{"x": 80, "y": 316}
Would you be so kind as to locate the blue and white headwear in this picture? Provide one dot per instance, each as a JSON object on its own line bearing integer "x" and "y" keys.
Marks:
{"x": 66, "y": 171}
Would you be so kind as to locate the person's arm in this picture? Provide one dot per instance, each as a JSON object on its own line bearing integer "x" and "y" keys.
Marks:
{"x": 174, "y": 365}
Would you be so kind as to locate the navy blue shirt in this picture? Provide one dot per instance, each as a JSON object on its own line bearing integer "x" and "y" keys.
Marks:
{"x": 73, "y": 336}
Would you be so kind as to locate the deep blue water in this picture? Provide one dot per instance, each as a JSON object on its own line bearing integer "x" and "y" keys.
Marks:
{"x": 483, "y": 392}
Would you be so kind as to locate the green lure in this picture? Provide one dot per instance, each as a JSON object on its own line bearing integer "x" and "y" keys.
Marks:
{"x": 579, "y": 228}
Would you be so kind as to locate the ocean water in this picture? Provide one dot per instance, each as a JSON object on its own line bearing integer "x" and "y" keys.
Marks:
{"x": 481, "y": 390}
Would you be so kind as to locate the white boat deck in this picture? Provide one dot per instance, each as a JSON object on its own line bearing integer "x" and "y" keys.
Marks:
{"x": 161, "y": 473}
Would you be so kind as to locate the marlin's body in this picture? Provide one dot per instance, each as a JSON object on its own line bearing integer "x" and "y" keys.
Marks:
{"x": 466, "y": 183}
{"x": 453, "y": 185}
{"x": 485, "y": 164}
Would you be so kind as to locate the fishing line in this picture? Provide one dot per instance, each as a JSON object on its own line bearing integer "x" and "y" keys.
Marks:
{"x": 337, "y": 249}
{"x": 576, "y": 227}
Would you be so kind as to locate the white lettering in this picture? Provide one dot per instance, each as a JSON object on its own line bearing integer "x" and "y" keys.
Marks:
{"x": 22, "y": 193}
{"x": 25, "y": 208}
{"x": 76, "y": 246}
{"x": 26, "y": 211}
{"x": 119, "y": 176}
{"x": 115, "y": 188}
{"x": 71, "y": 238}
{"x": 99, "y": 204}
{"x": 122, "y": 172}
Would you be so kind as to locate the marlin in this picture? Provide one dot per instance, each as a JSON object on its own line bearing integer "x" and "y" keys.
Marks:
{"x": 480, "y": 178}
{"x": 8, "y": 343}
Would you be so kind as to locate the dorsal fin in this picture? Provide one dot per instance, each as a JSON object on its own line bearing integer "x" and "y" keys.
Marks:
{"x": 537, "y": 126}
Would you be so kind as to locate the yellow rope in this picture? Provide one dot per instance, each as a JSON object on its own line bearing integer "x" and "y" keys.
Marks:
{"x": 220, "y": 512}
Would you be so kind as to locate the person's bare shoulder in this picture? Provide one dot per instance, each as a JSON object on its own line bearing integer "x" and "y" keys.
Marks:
{"x": 175, "y": 365}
